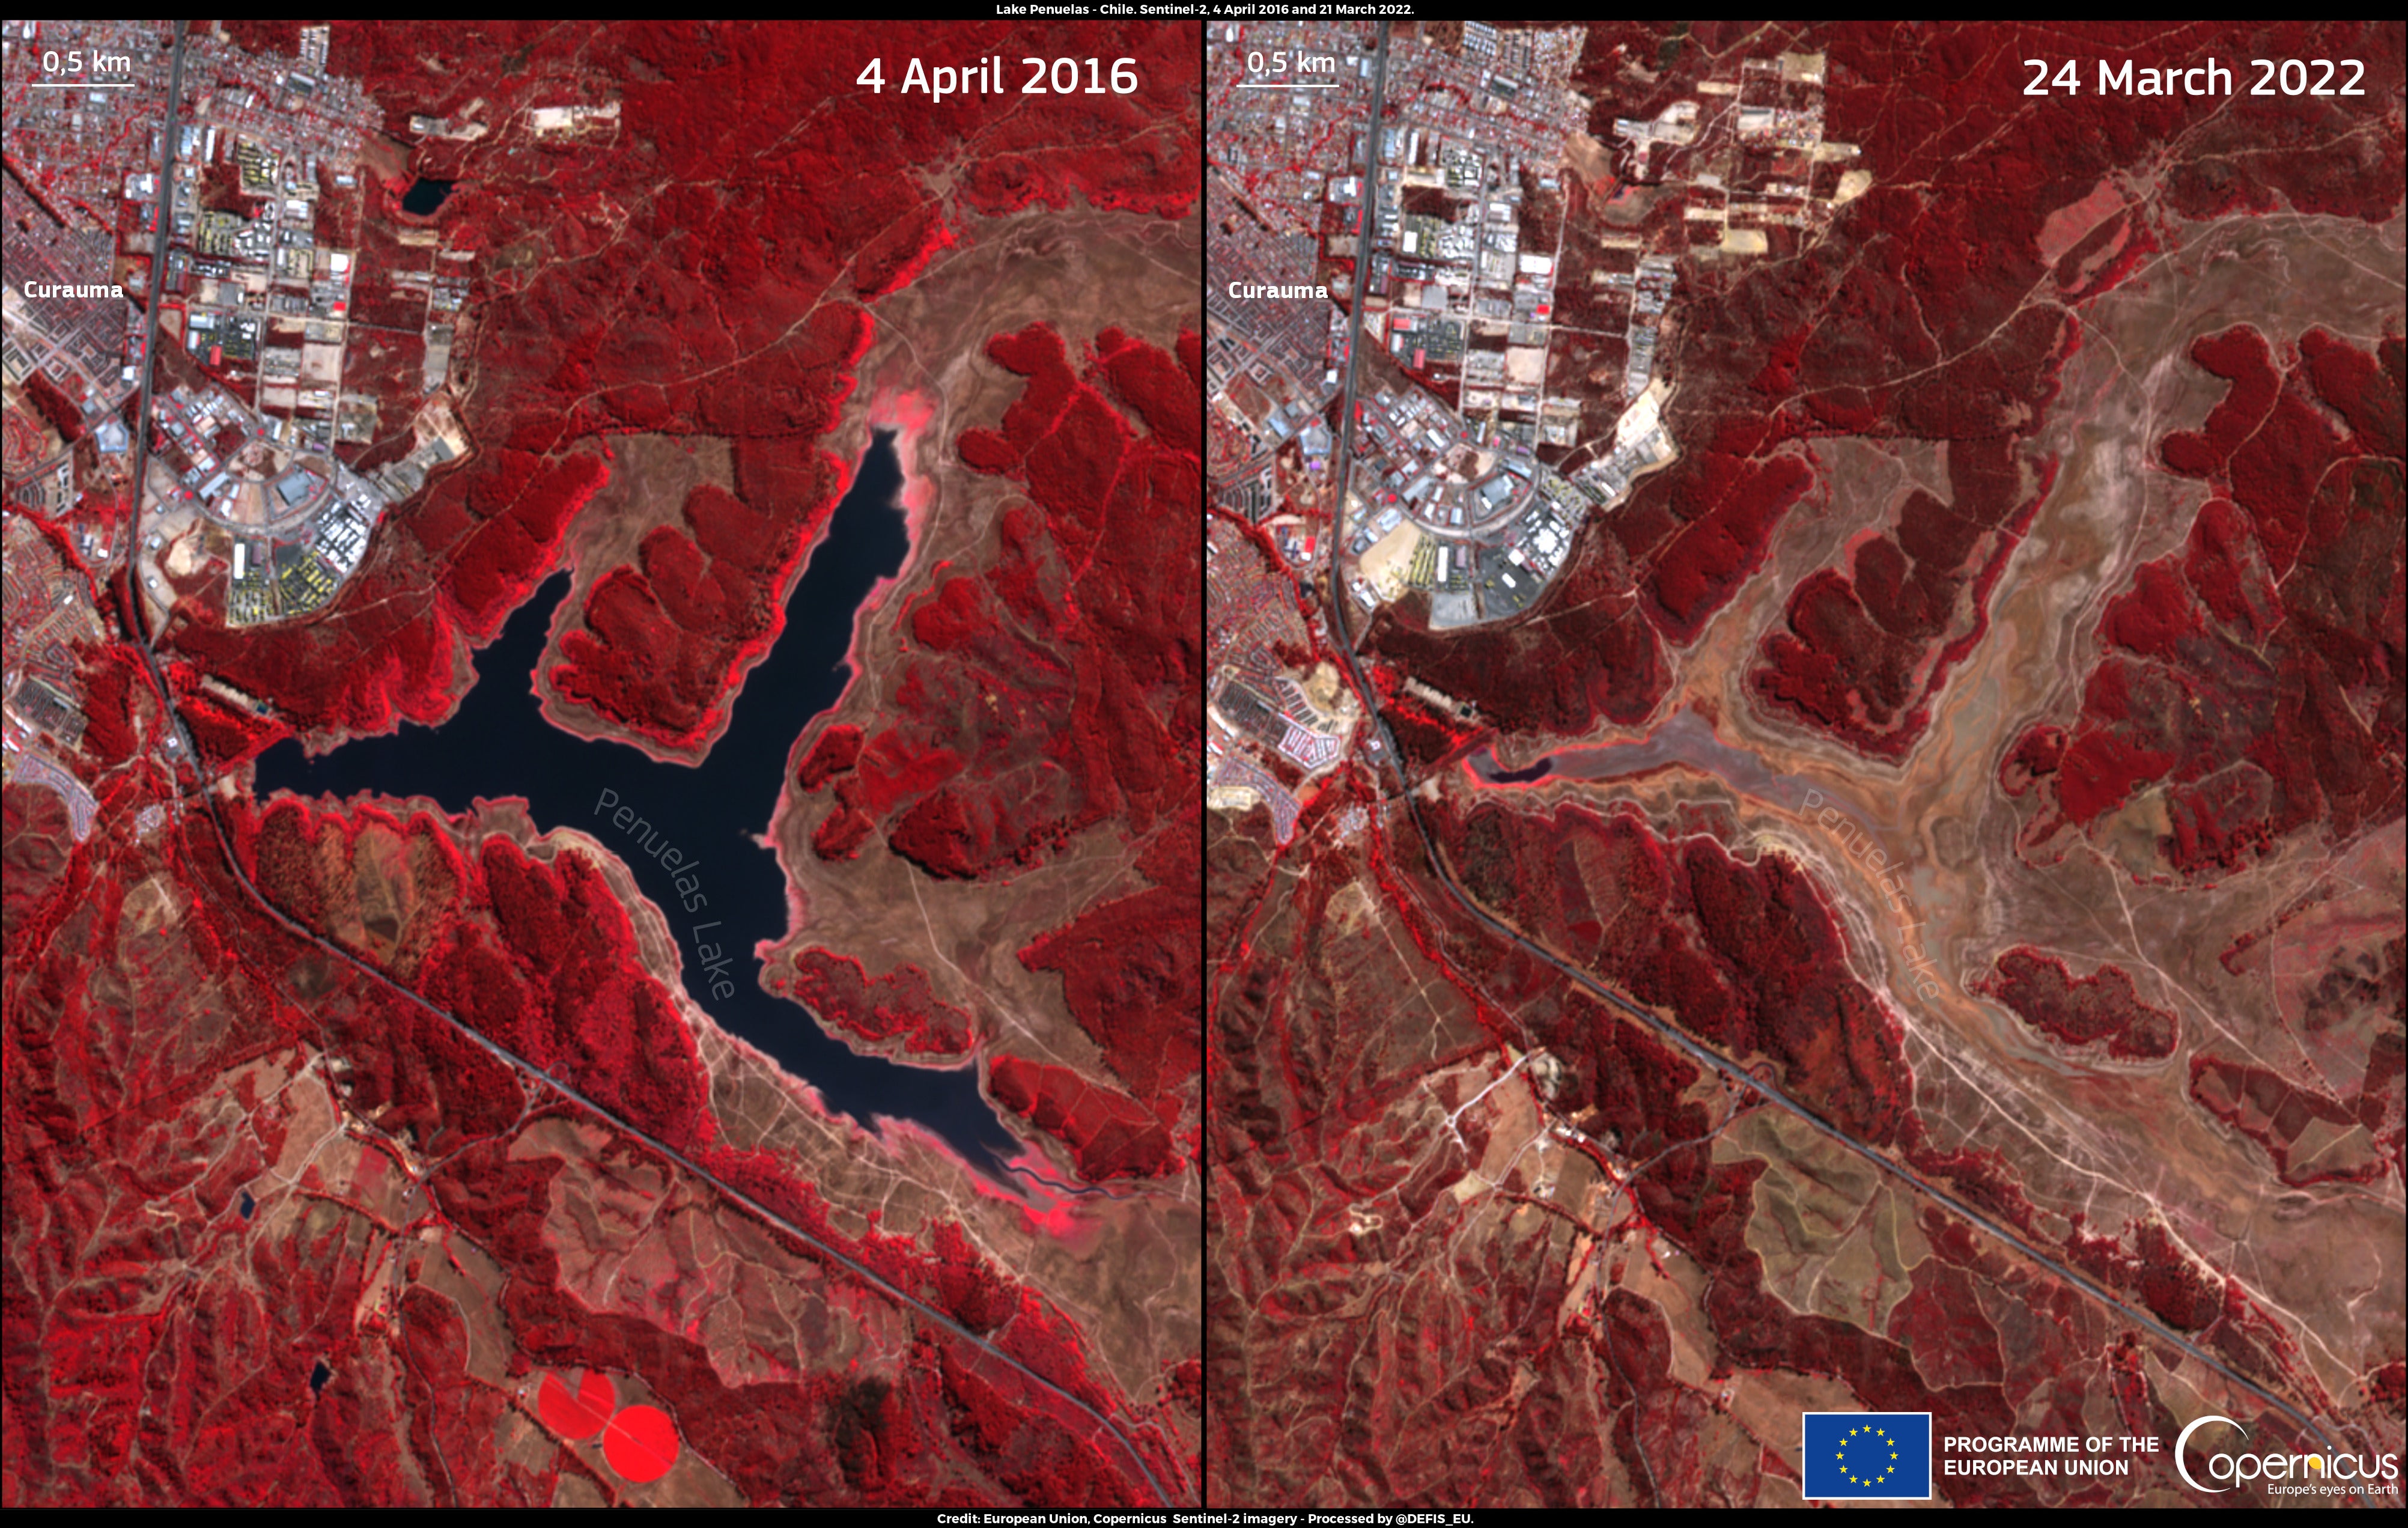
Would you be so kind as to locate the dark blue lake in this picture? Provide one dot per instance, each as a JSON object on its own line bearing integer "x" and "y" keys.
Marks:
{"x": 424, "y": 196}
{"x": 498, "y": 745}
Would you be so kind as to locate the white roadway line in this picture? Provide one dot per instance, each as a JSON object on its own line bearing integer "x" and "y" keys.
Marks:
{"x": 1484, "y": 1093}
{"x": 733, "y": 1194}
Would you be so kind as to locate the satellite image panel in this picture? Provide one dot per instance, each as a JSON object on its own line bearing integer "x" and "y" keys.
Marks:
{"x": 1805, "y": 729}
{"x": 604, "y": 738}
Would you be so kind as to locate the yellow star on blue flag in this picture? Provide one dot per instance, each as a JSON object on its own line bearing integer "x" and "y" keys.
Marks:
{"x": 1866, "y": 1456}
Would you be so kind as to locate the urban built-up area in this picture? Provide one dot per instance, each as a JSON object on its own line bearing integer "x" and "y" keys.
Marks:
{"x": 270, "y": 449}
{"x": 1518, "y": 245}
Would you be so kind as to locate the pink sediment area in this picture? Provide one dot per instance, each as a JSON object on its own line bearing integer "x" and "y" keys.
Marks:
{"x": 1041, "y": 1209}
{"x": 910, "y": 413}
{"x": 2072, "y": 223}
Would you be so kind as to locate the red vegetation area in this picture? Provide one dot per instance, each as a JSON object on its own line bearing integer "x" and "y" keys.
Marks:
{"x": 871, "y": 778}
{"x": 640, "y": 1442}
{"x": 2386, "y": 1389}
{"x": 119, "y": 705}
{"x": 1056, "y": 1468}
{"x": 841, "y": 834}
{"x": 577, "y": 1413}
{"x": 665, "y": 643}
{"x": 1746, "y": 957}
{"x": 225, "y": 733}
{"x": 835, "y": 751}
{"x": 1110, "y": 1136}
{"x": 700, "y": 273}
{"x": 1129, "y": 971}
{"x": 1726, "y": 509}
{"x": 1423, "y": 736}
{"x": 1485, "y": 1324}
{"x": 1928, "y": 312}
{"x": 896, "y": 1010}
{"x": 2255, "y": 678}
{"x": 138, "y": 1147}
{"x": 539, "y": 957}
{"x": 2180, "y": 1291}
{"x": 2177, "y": 1288}
{"x": 1054, "y": 689}
{"x": 56, "y": 409}
{"x": 2080, "y": 1012}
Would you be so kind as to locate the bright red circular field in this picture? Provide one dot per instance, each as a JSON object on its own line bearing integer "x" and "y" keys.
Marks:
{"x": 641, "y": 1444}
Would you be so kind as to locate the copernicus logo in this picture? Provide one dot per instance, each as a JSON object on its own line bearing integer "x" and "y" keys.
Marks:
{"x": 1881, "y": 1456}
{"x": 2226, "y": 1470}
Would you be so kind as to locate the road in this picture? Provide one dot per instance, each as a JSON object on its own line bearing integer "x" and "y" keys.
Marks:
{"x": 528, "y": 1070}
{"x": 1345, "y": 465}
{"x": 1713, "y": 1061}
{"x": 143, "y": 641}
{"x": 150, "y": 359}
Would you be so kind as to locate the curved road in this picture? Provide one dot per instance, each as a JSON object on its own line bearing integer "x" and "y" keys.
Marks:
{"x": 144, "y": 641}
{"x": 1713, "y": 1060}
{"x": 527, "y": 1070}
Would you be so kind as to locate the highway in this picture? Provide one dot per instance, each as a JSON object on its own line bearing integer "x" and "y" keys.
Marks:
{"x": 167, "y": 143}
{"x": 1713, "y": 1061}
{"x": 526, "y": 1069}
{"x": 144, "y": 642}
{"x": 1345, "y": 463}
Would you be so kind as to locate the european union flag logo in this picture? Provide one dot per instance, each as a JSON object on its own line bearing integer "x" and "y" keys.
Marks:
{"x": 1867, "y": 1456}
